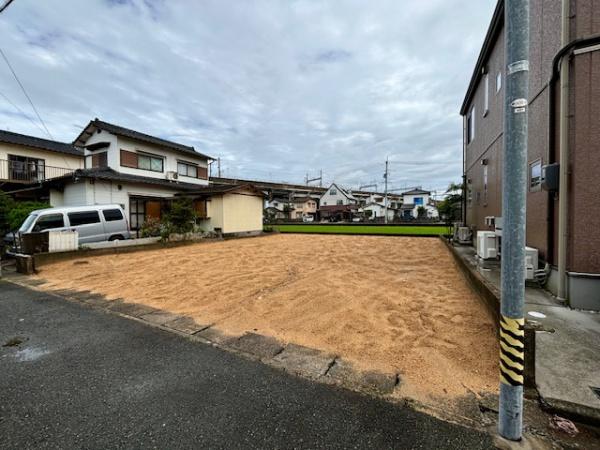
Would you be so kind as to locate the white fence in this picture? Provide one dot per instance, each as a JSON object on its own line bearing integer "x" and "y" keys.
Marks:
{"x": 62, "y": 241}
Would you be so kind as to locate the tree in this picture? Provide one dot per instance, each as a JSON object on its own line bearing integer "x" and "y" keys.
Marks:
{"x": 450, "y": 208}
{"x": 421, "y": 212}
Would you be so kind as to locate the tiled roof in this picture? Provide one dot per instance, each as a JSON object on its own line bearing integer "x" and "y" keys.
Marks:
{"x": 122, "y": 131}
{"x": 416, "y": 192}
{"x": 31, "y": 141}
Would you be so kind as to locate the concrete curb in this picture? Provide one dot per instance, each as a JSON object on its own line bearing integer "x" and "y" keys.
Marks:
{"x": 491, "y": 298}
{"x": 295, "y": 359}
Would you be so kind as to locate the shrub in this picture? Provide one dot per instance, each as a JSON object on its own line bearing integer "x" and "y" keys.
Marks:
{"x": 182, "y": 215}
{"x": 151, "y": 228}
{"x": 13, "y": 213}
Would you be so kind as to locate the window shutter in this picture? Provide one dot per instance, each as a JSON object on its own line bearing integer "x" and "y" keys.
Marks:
{"x": 203, "y": 173}
{"x": 129, "y": 159}
{"x": 99, "y": 160}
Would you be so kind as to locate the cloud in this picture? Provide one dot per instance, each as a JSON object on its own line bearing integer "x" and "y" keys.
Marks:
{"x": 275, "y": 88}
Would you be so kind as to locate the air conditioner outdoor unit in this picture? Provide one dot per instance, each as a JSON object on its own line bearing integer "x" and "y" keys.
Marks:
{"x": 172, "y": 175}
{"x": 531, "y": 262}
{"x": 486, "y": 245}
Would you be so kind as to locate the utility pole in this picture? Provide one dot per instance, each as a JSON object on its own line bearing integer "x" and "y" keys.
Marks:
{"x": 385, "y": 201}
{"x": 219, "y": 167}
{"x": 319, "y": 178}
{"x": 514, "y": 190}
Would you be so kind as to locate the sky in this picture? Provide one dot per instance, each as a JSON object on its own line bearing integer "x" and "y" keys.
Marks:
{"x": 276, "y": 89}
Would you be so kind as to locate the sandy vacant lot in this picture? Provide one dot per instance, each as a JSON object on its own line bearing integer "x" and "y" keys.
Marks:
{"x": 394, "y": 304}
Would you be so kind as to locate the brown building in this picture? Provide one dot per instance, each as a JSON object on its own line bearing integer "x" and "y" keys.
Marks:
{"x": 483, "y": 114}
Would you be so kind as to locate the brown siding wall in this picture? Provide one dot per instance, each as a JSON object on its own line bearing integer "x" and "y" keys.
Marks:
{"x": 487, "y": 145}
{"x": 584, "y": 246}
{"x": 584, "y": 158}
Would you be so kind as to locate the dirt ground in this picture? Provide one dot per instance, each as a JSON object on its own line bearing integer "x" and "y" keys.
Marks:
{"x": 393, "y": 304}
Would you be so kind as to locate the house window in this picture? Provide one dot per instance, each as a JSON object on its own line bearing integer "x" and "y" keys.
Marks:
{"x": 486, "y": 94}
{"x": 333, "y": 191}
{"x": 187, "y": 169}
{"x": 471, "y": 125}
{"x": 418, "y": 201}
{"x": 485, "y": 184}
{"x": 142, "y": 161}
{"x": 535, "y": 175}
{"x": 99, "y": 160}
{"x": 340, "y": 202}
{"x": 498, "y": 82}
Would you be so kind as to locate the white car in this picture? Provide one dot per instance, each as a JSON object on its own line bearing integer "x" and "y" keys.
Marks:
{"x": 308, "y": 218}
{"x": 93, "y": 223}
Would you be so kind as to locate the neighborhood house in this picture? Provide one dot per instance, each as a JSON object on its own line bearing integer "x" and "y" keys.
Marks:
{"x": 418, "y": 203}
{"x": 142, "y": 173}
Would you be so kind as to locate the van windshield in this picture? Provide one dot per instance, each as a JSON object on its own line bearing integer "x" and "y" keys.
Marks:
{"x": 27, "y": 224}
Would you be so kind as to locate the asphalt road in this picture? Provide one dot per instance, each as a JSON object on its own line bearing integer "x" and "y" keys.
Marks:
{"x": 83, "y": 378}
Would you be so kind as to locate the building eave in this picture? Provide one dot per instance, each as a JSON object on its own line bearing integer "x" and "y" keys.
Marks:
{"x": 496, "y": 25}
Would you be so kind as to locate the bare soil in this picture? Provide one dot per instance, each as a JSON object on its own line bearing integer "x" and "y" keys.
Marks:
{"x": 392, "y": 304}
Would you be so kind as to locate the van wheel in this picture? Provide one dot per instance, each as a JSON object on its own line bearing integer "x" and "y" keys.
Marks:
{"x": 116, "y": 237}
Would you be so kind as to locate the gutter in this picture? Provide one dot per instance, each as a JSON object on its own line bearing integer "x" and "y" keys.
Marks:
{"x": 560, "y": 70}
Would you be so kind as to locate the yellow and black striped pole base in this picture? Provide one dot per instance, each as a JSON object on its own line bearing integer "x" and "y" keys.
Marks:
{"x": 512, "y": 349}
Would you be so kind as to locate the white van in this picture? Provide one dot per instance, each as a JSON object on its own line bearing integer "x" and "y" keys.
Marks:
{"x": 93, "y": 223}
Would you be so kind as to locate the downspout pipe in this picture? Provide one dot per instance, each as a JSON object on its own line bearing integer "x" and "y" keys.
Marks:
{"x": 464, "y": 176}
{"x": 560, "y": 70}
{"x": 563, "y": 187}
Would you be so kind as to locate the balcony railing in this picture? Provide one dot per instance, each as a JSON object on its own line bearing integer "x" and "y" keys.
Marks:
{"x": 29, "y": 172}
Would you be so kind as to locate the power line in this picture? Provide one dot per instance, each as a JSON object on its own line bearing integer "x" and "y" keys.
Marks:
{"x": 26, "y": 95}
{"x": 22, "y": 112}
{"x": 6, "y": 3}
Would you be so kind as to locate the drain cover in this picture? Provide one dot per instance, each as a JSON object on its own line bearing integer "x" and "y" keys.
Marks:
{"x": 595, "y": 390}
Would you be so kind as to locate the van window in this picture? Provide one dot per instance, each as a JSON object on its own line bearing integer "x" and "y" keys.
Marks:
{"x": 110, "y": 215}
{"x": 83, "y": 218}
{"x": 49, "y": 222}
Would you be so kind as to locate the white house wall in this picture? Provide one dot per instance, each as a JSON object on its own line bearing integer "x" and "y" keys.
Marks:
{"x": 327, "y": 199}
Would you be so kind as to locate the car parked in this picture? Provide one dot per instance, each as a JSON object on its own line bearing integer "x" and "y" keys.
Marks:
{"x": 93, "y": 223}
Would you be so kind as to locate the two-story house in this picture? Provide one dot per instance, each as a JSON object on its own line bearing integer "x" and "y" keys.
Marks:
{"x": 304, "y": 206}
{"x": 417, "y": 200}
{"x": 336, "y": 203}
{"x": 144, "y": 173}
{"x": 373, "y": 206}
{"x": 574, "y": 60}
{"x": 277, "y": 207}
{"x": 28, "y": 159}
